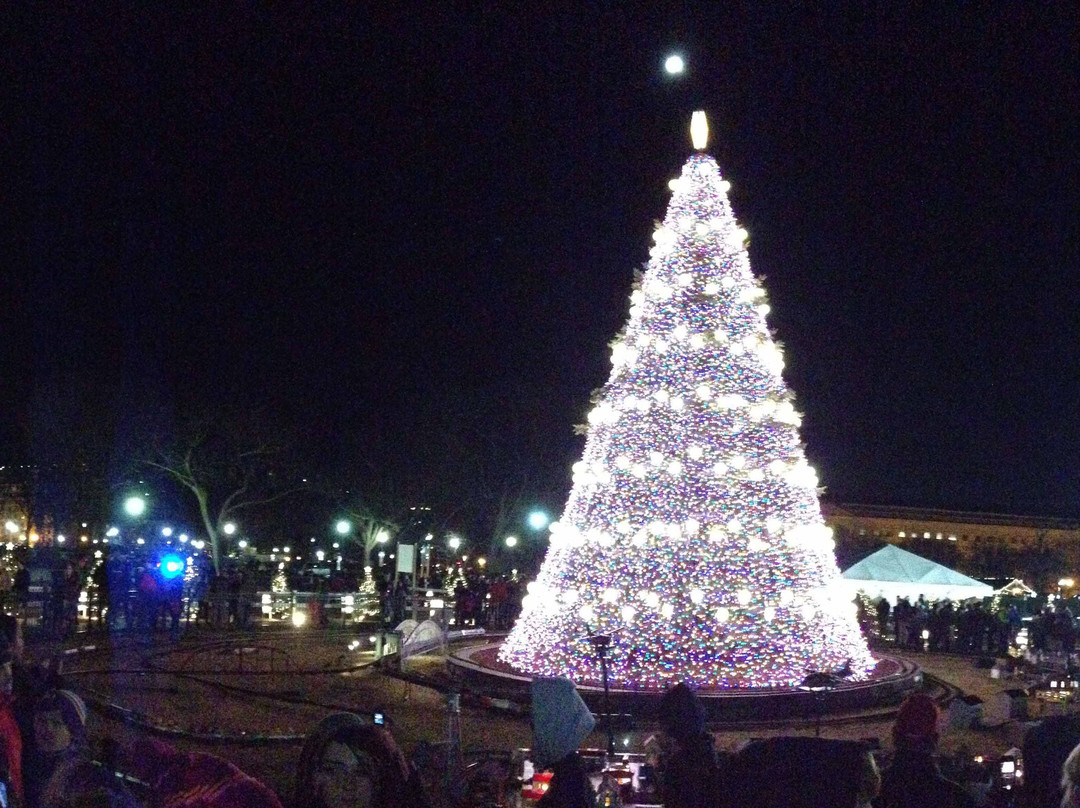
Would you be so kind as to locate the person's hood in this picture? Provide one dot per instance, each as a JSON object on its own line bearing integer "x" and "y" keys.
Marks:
{"x": 561, "y": 721}
{"x": 681, "y": 713}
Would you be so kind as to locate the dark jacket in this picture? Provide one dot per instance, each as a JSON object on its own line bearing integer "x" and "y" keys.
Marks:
{"x": 914, "y": 781}
{"x": 690, "y": 775}
{"x": 570, "y": 786}
{"x": 798, "y": 773}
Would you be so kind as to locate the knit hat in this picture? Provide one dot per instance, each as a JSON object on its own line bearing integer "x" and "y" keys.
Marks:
{"x": 917, "y": 721}
{"x": 561, "y": 721}
{"x": 71, "y": 708}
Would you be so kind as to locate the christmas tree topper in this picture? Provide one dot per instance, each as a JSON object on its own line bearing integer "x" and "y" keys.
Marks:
{"x": 699, "y": 130}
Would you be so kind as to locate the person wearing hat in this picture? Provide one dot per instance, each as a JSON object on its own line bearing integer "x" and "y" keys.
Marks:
{"x": 914, "y": 780}
{"x": 561, "y": 721}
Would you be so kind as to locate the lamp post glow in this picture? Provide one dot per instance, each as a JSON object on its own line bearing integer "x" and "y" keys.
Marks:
{"x": 134, "y": 506}
{"x": 343, "y": 526}
{"x": 112, "y": 532}
{"x": 242, "y": 544}
{"x": 454, "y": 542}
{"x": 382, "y": 537}
{"x": 229, "y": 528}
{"x": 11, "y": 527}
{"x": 166, "y": 532}
{"x": 511, "y": 541}
{"x": 538, "y": 520}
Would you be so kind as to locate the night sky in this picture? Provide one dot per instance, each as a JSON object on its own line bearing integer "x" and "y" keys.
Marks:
{"x": 381, "y": 226}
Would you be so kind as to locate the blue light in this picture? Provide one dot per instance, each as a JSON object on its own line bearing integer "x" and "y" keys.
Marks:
{"x": 172, "y": 566}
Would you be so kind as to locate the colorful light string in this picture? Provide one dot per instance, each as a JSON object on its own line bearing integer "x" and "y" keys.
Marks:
{"x": 693, "y": 533}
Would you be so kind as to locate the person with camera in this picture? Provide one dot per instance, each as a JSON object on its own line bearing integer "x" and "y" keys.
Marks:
{"x": 348, "y": 762}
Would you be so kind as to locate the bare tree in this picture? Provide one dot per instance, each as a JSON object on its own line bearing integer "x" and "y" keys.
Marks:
{"x": 229, "y": 468}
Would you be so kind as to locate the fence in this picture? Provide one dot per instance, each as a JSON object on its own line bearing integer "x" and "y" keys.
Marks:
{"x": 45, "y": 609}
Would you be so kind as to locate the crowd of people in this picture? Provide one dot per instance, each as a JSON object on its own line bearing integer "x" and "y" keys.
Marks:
{"x": 969, "y": 627}
{"x": 347, "y": 761}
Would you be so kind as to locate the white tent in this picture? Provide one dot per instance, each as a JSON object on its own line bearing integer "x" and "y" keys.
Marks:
{"x": 893, "y": 573}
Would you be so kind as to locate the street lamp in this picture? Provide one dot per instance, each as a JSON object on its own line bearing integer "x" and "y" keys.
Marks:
{"x": 166, "y": 532}
{"x": 454, "y": 542}
{"x": 382, "y": 537}
{"x": 242, "y": 544}
{"x": 11, "y": 526}
{"x": 511, "y": 541}
{"x": 229, "y": 528}
{"x": 135, "y": 506}
{"x": 538, "y": 520}
{"x": 343, "y": 526}
{"x": 112, "y": 532}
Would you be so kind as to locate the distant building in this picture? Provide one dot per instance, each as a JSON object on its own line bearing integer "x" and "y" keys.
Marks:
{"x": 965, "y": 537}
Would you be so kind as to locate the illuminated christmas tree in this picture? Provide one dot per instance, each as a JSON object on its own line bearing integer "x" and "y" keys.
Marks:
{"x": 693, "y": 533}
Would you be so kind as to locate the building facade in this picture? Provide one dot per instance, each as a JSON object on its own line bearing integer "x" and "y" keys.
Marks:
{"x": 977, "y": 543}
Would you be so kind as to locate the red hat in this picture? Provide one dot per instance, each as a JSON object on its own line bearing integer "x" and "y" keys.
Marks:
{"x": 917, "y": 719}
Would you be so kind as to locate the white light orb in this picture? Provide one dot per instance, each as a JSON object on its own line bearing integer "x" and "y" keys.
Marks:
{"x": 228, "y": 528}
{"x": 769, "y": 613}
{"x": 723, "y": 614}
{"x": 135, "y": 506}
{"x": 744, "y": 597}
{"x": 628, "y": 614}
{"x": 697, "y": 596}
{"x": 166, "y": 532}
{"x": 651, "y": 599}
{"x": 511, "y": 541}
{"x": 587, "y": 613}
{"x": 299, "y": 619}
{"x": 667, "y": 611}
